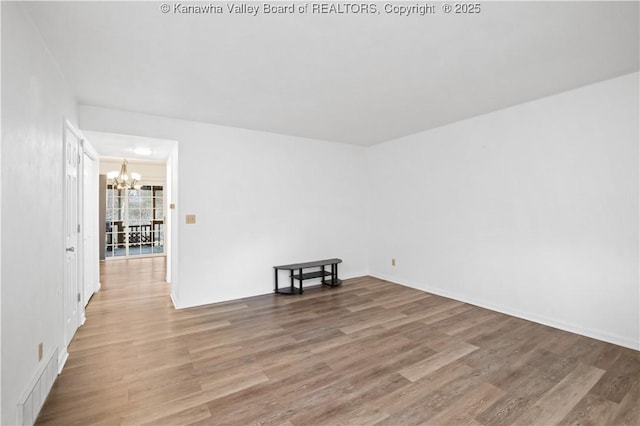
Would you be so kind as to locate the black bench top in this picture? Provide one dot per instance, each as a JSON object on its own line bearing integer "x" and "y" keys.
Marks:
{"x": 295, "y": 266}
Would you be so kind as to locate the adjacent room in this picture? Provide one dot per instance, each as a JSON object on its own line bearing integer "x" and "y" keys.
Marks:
{"x": 464, "y": 175}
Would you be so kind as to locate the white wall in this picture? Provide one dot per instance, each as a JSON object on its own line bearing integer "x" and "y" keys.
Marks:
{"x": 260, "y": 200}
{"x": 34, "y": 101}
{"x": 532, "y": 210}
{"x": 1, "y": 139}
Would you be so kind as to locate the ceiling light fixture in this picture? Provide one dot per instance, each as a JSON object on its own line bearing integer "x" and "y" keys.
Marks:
{"x": 124, "y": 180}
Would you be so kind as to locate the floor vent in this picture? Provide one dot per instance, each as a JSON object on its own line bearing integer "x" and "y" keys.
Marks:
{"x": 35, "y": 395}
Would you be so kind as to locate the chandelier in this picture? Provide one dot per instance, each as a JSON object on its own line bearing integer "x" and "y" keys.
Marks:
{"x": 124, "y": 179}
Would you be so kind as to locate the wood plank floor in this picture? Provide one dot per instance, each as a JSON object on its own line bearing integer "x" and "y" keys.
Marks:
{"x": 367, "y": 353}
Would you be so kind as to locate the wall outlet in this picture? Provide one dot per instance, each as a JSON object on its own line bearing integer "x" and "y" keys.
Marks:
{"x": 190, "y": 219}
{"x": 393, "y": 261}
{"x": 40, "y": 351}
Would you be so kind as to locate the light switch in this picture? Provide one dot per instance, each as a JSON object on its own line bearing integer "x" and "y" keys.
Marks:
{"x": 191, "y": 219}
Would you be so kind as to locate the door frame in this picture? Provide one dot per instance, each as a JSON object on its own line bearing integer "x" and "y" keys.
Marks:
{"x": 66, "y": 338}
{"x": 171, "y": 225}
{"x": 89, "y": 284}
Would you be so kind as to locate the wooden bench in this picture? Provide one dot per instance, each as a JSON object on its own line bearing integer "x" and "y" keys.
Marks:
{"x": 329, "y": 278}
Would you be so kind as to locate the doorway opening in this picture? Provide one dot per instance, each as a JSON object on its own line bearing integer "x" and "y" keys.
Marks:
{"x": 138, "y": 220}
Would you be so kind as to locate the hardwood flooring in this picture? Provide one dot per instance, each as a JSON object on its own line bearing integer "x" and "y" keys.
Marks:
{"x": 367, "y": 353}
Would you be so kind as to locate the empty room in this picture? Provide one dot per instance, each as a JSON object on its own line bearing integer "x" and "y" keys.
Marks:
{"x": 320, "y": 213}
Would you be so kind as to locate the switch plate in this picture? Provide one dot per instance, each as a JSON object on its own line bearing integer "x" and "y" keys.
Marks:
{"x": 172, "y": 206}
{"x": 40, "y": 350}
{"x": 393, "y": 261}
{"x": 190, "y": 219}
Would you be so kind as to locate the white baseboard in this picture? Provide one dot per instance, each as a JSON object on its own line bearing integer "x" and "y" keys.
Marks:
{"x": 173, "y": 300}
{"x": 63, "y": 356}
{"x": 36, "y": 393}
{"x": 551, "y": 322}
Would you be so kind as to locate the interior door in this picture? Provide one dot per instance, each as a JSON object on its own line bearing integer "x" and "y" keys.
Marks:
{"x": 71, "y": 233}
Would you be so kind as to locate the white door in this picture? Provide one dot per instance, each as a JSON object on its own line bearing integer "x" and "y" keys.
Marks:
{"x": 71, "y": 233}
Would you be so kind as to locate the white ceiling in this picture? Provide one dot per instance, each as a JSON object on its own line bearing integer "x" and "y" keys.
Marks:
{"x": 358, "y": 79}
{"x": 126, "y": 147}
